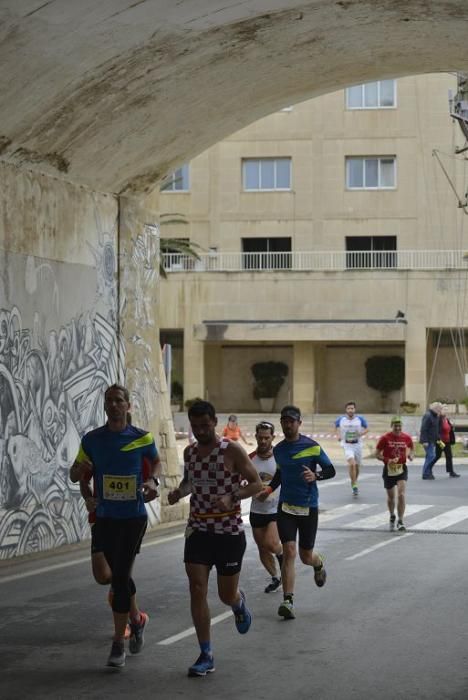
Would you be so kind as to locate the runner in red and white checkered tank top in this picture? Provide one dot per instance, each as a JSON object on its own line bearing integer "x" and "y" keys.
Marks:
{"x": 210, "y": 480}
{"x": 214, "y": 470}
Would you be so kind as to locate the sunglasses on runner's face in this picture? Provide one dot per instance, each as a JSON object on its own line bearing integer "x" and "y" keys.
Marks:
{"x": 265, "y": 425}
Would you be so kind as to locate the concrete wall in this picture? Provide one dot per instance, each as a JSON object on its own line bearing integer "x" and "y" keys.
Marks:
{"x": 65, "y": 295}
{"x": 58, "y": 350}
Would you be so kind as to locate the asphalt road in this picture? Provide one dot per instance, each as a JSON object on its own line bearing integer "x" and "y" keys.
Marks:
{"x": 390, "y": 623}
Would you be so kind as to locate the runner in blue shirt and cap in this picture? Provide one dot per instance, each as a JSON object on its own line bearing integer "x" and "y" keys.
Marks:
{"x": 301, "y": 462}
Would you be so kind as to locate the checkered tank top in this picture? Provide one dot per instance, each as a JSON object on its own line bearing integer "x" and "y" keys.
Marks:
{"x": 210, "y": 479}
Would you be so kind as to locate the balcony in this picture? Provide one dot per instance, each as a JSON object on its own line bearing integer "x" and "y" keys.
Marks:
{"x": 319, "y": 261}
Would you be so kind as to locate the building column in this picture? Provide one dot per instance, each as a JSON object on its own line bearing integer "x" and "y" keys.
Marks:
{"x": 194, "y": 366}
{"x": 415, "y": 365}
{"x": 140, "y": 358}
{"x": 303, "y": 380}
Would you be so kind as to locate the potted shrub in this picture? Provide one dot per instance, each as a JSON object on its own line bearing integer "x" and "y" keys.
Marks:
{"x": 385, "y": 373}
{"x": 409, "y": 407}
{"x": 450, "y": 403}
{"x": 268, "y": 379}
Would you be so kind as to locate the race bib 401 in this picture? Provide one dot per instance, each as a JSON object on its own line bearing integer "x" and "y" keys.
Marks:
{"x": 119, "y": 488}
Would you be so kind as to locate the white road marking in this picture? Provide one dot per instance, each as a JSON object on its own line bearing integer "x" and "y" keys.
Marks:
{"x": 440, "y": 522}
{"x": 396, "y": 538}
{"x": 350, "y": 508}
{"x": 75, "y": 562}
{"x": 339, "y": 482}
{"x": 191, "y": 630}
{"x": 381, "y": 519}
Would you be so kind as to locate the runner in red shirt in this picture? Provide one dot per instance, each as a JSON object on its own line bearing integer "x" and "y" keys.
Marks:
{"x": 394, "y": 449}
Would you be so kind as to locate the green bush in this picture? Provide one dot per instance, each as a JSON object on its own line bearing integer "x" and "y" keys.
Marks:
{"x": 269, "y": 378}
{"x": 385, "y": 373}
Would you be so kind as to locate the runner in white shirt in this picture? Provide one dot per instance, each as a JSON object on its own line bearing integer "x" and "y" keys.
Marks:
{"x": 349, "y": 430}
{"x": 263, "y": 514}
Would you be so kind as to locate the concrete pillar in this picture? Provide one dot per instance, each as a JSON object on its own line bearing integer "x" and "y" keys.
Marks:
{"x": 140, "y": 355}
{"x": 214, "y": 376}
{"x": 415, "y": 365}
{"x": 304, "y": 376}
{"x": 194, "y": 366}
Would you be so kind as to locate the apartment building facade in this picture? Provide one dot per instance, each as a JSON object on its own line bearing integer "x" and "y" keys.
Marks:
{"x": 329, "y": 232}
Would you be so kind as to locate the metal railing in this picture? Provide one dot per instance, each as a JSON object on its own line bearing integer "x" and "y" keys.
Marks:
{"x": 319, "y": 261}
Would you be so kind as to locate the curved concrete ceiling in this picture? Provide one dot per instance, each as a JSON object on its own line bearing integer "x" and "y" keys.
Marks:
{"x": 114, "y": 94}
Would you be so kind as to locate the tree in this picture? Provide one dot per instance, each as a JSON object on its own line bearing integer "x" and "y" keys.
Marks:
{"x": 178, "y": 246}
{"x": 385, "y": 373}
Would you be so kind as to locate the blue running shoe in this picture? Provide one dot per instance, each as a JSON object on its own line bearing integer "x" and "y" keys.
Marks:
{"x": 243, "y": 617}
{"x": 203, "y": 665}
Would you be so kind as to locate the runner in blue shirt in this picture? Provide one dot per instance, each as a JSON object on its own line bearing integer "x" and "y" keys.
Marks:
{"x": 123, "y": 462}
{"x": 301, "y": 462}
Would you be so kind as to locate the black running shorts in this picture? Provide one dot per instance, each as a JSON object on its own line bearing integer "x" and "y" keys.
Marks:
{"x": 98, "y": 538}
{"x": 225, "y": 552}
{"x": 391, "y": 481}
{"x": 262, "y": 519}
{"x": 289, "y": 525}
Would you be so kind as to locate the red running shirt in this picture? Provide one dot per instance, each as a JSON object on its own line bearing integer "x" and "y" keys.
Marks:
{"x": 394, "y": 446}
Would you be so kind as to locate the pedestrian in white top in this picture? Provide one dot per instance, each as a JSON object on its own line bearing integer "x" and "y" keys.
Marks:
{"x": 263, "y": 514}
{"x": 350, "y": 429}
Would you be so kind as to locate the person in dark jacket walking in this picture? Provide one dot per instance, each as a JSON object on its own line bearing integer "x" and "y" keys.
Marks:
{"x": 429, "y": 435}
{"x": 444, "y": 445}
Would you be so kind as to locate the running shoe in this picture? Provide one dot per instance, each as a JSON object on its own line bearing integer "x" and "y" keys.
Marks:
{"x": 400, "y": 526}
{"x": 137, "y": 637}
{"x": 243, "y": 616}
{"x": 355, "y": 490}
{"x": 320, "y": 575}
{"x": 286, "y": 609}
{"x": 274, "y": 585}
{"x": 117, "y": 655}
{"x": 203, "y": 665}
{"x": 392, "y": 522}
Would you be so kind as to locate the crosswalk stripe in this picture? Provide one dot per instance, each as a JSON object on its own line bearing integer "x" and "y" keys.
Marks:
{"x": 382, "y": 518}
{"x": 334, "y": 513}
{"x": 444, "y": 520}
{"x": 339, "y": 482}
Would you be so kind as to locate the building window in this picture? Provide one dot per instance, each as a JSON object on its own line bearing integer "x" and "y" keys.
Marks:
{"x": 266, "y": 253}
{"x": 378, "y": 95}
{"x": 370, "y": 173}
{"x": 266, "y": 173}
{"x": 371, "y": 251}
{"x": 178, "y": 181}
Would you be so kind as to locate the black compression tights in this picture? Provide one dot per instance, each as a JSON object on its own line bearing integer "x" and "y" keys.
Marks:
{"x": 121, "y": 541}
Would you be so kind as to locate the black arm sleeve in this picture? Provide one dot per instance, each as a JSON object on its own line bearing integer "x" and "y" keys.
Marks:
{"x": 276, "y": 481}
{"x": 325, "y": 472}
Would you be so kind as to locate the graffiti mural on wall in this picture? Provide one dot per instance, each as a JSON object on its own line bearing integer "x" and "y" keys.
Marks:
{"x": 140, "y": 257}
{"x": 52, "y": 377}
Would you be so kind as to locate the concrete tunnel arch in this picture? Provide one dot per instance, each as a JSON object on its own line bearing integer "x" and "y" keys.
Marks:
{"x": 113, "y": 95}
